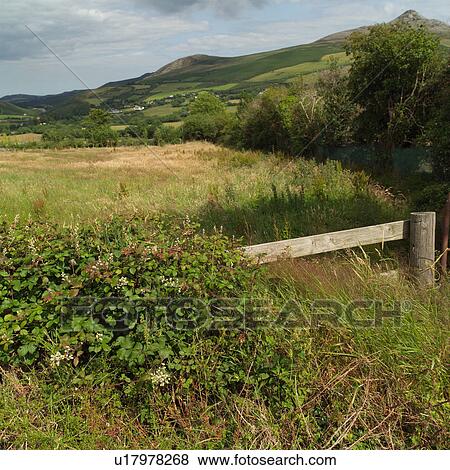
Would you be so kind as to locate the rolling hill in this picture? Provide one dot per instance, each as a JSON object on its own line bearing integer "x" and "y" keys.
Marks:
{"x": 226, "y": 75}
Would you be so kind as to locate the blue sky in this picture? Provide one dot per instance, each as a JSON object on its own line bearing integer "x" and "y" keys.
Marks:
{"x": 105, "y": 40}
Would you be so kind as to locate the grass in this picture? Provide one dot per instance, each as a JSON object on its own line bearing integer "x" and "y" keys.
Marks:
{"x": 257, "y": 196}
{"x": 305, "y": 68}
{"x": 160, "y": 111}
{"x": 20, "y": 138}
{"x": 336, "y": 386}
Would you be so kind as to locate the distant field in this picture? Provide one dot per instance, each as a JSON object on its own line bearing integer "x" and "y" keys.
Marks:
{"x": 305, "y": 68}
{"x": 160, "y": 111}
{"x": 13, "y": 117}
{"x": 20, "y": 138}
{"x": 175, "y": 124}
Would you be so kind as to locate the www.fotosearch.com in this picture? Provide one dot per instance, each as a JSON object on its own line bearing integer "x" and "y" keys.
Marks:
{"x": 122, "y": 314}
{"x": 219, "y": 459}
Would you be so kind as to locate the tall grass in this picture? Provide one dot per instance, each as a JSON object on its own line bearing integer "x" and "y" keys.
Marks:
{"x": 260, "y": 197}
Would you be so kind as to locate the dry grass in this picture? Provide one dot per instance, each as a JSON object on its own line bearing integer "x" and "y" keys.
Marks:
{"x": 250, "y": 194}
{"x": 20, "y": 138}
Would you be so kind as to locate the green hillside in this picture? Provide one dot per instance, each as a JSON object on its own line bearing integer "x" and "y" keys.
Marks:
{"x": 176, "y": 83}
{"x": 10, "y": 109}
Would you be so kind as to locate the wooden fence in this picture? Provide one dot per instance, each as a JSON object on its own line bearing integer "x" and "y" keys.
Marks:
{"x": 420, "y": 230}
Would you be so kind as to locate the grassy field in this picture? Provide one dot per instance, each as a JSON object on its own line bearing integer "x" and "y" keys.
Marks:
{"x": 82, "y": 223}
{"x": 20, "y": 138}
{"x": 250, "y": 194}
{"x": 160, "y": 111}
{"x": 303, "y": 69}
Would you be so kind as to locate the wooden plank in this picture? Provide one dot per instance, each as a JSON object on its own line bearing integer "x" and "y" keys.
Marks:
{"x": 317, "y": 244}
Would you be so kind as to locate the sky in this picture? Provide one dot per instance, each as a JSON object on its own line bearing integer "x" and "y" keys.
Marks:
{"x": 108, "y": 40}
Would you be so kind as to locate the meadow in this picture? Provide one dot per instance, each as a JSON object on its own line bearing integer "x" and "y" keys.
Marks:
{"x": 90, "y": 222}
{"x": 251, "y": 194}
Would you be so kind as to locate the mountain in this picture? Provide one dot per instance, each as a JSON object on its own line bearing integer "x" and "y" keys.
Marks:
{"x": 10, "y": 109}
{"x": 410, "y": 17}
{"x": 226, "y": 75}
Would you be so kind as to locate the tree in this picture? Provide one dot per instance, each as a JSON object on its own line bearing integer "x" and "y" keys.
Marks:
{"x": 261, "y": 123}
{"x": 438, "y": 130}
{"x": 98, "y": 117}
{"x": 391, "y": 78}
{"x": 207, "y": 103}
{"x": 98, "y": 130}
{"x": 208, "y": 119}
{"x": 209, "y": 127}
{"x": 303, "y": 118}
{"x": 339, "y": 110}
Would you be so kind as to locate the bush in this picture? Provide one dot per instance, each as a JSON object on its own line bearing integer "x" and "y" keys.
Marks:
{"x": 165, "y": 135}
{"x": 49, "y": 276}
{"x": 261, "y": 123}
{"x": 211, "y": 127}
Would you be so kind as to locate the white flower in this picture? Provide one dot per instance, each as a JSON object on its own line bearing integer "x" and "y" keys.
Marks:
{"x": 171, "y": 283}
{"x": 122, "y": 282}
{"x": 58, "y": 357}
{"x": 99, "y": 337}
{"x": 161, "y": 377}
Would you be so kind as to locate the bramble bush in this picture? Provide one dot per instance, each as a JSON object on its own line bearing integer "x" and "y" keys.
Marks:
{"x": 48, "y": 275}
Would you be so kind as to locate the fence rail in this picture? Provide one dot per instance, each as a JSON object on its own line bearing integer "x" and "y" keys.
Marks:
{"x": 420, "y": 229}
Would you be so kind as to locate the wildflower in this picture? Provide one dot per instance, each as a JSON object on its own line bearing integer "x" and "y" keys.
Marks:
{"x": 58, "y": 357}
{"x": 122, "y": 282}
{"x": 64, "y": 277}
{"x": 99, "y": 337}
{"x": 171, "y": 283}
{"x": 161, "y": 377}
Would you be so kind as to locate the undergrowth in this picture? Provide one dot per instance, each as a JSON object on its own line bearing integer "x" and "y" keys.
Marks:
{"x": 191, "y": 345}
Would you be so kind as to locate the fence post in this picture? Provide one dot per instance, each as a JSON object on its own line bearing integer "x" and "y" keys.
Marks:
{"x": 445, "y": 233}
{"x": 423, "y": 246}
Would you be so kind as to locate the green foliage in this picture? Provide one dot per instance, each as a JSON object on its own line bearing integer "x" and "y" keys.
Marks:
{"x": 206, "y": 103}
{"x": 339, "y": 110}
{"x": 391, "y": 78}
{"x": 98, "y": 118}
{"x": 438, "y": 130}
{"x": 69, "y": 111}
{"x": 261, "y": 123}
{"x": 302, "y": 117}
{"x": 432, "y": 198}
{"x": 211, "y": 127}
{"x": 46, "y": 275}
{"x": 165, "y": 135}
{"x": 208, "y": 119}
{"x": 288, "y": 119}
{"x": 98, "y": 131}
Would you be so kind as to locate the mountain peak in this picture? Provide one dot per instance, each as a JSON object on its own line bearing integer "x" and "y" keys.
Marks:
{"x": 184, "y": 62}
{"x": 410, "y": 14}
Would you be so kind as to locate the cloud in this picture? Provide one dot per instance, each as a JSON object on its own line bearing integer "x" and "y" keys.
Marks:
{"x": 88, "y": 30}
{"x": 224, "y": 7}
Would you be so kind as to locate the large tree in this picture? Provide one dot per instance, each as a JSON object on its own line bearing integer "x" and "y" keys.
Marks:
{"x": 393, "y": 72}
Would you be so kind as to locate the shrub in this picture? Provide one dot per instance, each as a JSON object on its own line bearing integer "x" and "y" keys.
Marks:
{"x": 261, "y": 123}
{"x": 211, "y": 127}
{"x": 49, "y": 276}
{"x": 165, "y": 135}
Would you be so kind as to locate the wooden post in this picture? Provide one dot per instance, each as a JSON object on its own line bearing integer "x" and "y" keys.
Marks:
{"x": 445, "y": 233}
{"x": 423, "y": 246}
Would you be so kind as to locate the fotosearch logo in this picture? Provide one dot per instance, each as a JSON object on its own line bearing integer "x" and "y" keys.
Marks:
{"x": 121, "y": 314}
